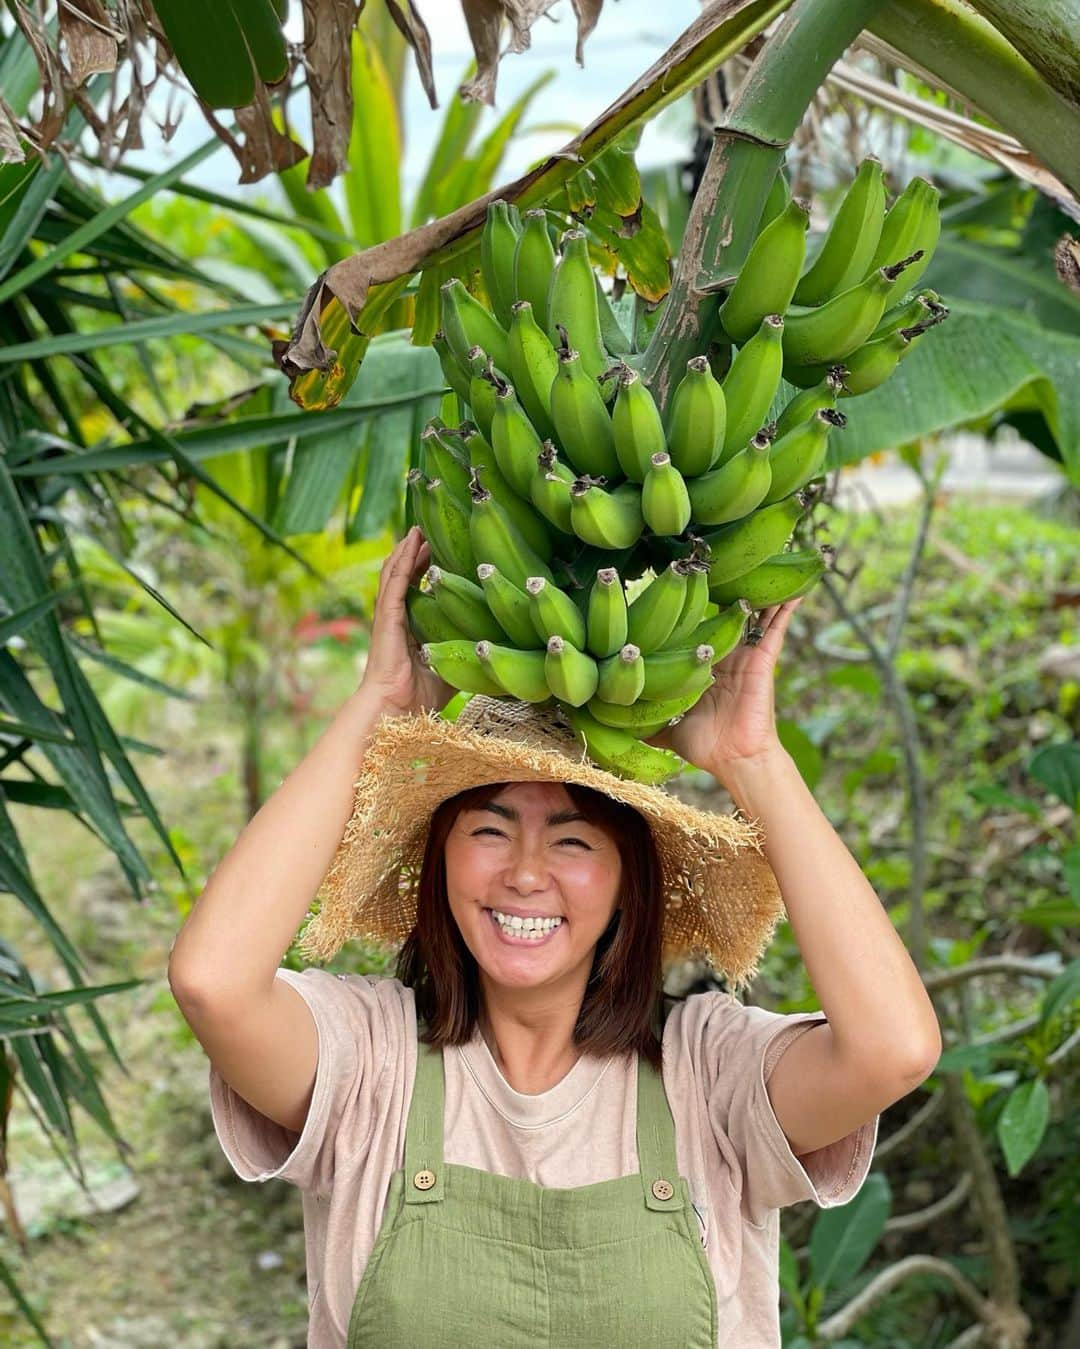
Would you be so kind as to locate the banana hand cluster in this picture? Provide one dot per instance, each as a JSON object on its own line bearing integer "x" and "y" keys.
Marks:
{"x": 588, "y": 548}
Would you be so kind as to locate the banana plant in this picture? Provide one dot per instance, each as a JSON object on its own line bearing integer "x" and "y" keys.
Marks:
{"x": 362, "y": 288}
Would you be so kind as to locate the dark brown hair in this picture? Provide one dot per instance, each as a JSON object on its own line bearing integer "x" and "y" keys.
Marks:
{"x": 622, "y": 998}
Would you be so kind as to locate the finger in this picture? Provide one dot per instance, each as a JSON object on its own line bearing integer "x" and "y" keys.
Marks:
{"x": 390, "y": 560}
{"x": 393, "y": 569}
{"x": 422, "y": 560}
{"x": 776, "y": 629}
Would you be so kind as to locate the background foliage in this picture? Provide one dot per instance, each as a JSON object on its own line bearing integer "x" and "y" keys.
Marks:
{"x": 187, "y": 567}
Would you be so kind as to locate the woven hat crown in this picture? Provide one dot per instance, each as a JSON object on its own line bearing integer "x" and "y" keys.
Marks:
{"x": 541, "y": 726}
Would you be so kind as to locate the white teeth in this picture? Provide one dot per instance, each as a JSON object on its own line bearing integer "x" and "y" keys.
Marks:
{"x": 531, "y": 928}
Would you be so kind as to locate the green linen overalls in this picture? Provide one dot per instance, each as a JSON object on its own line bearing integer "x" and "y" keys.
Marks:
{"x": 470, "y": 1258}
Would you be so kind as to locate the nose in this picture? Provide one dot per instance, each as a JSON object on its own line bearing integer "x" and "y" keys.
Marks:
{"x": 527, "y": 870}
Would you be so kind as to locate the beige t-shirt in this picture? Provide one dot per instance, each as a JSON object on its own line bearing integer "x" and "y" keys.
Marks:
{"x": 718, "y": 1055}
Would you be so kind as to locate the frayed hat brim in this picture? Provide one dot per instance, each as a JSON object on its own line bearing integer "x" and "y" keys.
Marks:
{"x": 722, "y": 901}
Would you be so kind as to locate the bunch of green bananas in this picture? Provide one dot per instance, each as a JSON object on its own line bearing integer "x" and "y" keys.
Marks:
{"x": 589, "y": 550}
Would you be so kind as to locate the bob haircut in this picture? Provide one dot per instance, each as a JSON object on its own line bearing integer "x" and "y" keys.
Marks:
{"x": 620, "y": 1012}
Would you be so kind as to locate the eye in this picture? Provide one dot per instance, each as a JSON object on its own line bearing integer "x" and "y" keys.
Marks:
{"x": 577, "y": 840}
{"x": 487, "y": 829}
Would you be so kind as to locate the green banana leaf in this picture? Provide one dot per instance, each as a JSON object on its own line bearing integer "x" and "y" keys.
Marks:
{"x": 373, "y": 183}
{"x": 141, "y": 330}
{"x": 1014, "y": 282}
{"x": 964, "y": 371}
{"x": 332, "y": 298}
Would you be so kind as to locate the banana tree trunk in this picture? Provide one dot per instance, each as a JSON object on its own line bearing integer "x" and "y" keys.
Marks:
{"x": 748, "y": 151}
{"x": 1047, "y": 32}
{"x": 961, "y": 50}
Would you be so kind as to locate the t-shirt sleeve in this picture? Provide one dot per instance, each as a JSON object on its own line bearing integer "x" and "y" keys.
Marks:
{"x": 741, "y": 1046}
{"x": 352, "y": 1025}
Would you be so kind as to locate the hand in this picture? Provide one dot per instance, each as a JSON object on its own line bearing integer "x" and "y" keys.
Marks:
{"x": 395, "y": 675}
{"x": 734, "y": 718}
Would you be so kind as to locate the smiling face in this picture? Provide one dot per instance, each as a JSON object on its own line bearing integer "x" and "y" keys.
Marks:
{"x": 529, "y": 853}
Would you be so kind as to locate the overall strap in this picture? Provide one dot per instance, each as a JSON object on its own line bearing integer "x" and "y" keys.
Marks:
{"x": 424, "y": 1130}
{"x": 656, "y": 1134}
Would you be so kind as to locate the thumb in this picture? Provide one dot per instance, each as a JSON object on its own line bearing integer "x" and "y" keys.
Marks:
{"x": 661, "y": 740}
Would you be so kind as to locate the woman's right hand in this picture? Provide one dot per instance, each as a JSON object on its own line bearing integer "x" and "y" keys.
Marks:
{"x": 395, "y": 676}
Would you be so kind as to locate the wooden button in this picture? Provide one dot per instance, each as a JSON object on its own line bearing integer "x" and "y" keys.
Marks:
{"x": 424, "y": 1180}
{"x": 663, "y": 1189}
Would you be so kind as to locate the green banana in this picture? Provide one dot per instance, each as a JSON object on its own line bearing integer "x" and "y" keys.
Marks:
{"x": 606, "y": 519}
{"x": 534, "y": 262}
{"x": 514, "y": 440}
{"x": 427, "y": 620}
{"x": 449, "y": 524}
{"x": 518, "y": 673}
{"x": 485, "y": 470}
{"x": 736, "y": 488}
{"x": 439, "y": 459}
{"x": 784, "y": 576}
{"x": 697, "y": 419}
{"x": 864, "y": 372}
{"x": 553, "y": 611}
{"x": 580, "y": 417}
{"x": 571, "y": 674}
{"x": 751, "y": 383}
{"x": 694, "y": 604}
{"x": 911, "y": 227}
{"x": 417, "y": 497}
{"x": 724, "y": 630}
{"x": 606, "y": 614}
{"x": 852, "y": 238}
{"x": 641, "y": 732}
{"x": 823, "y": 394}
{"x": 656, "y": 713}
{"x": 463, "y": 603}
{"x": 467, "y": 323}
{"x": 908, "y": 313}
{"x": 636, "y": 426}
{"x": 670, "y": 673}
{"x": 767, "y": 279}
{"x": 798, "y": 456}
{"x": 736, "y": 548}
{"x": 655, "y": 609}
{"x": 482, "y": 384}
{"x": 549, "y": 489}
{"x": 458, "y": 663}
{"x": 872, "y": 363}
{"x": 619, "y": 753}
{"x": 498, "y": 244}
{"x": 665, "y": 501}
{"x": 842, "y": 323}
{"x": 573, "y": 304}
{"x": 493, "y": 534}
{"x": 509, "y": 606}
{"x": 533, "y": 365}
{"x": 778, "y": 198}
{"x": 622, "y": 676}
{"x": 453, "y": 371}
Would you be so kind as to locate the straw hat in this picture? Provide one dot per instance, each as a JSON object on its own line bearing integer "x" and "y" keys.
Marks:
{"x": 722, "y": 899}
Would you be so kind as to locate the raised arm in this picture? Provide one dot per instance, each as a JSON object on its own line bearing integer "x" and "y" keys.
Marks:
{"x": 234, "y": 938}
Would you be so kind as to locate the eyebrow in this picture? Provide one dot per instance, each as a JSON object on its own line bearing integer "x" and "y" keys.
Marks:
{"x": 509, "y": 813}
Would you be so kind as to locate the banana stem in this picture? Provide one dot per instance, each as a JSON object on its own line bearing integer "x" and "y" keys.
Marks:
{"x": 963, "y": 51}
{"x": 747, "y": 152}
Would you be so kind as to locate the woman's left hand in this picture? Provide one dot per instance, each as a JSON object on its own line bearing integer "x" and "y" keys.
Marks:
{"x": 735, "y": 717}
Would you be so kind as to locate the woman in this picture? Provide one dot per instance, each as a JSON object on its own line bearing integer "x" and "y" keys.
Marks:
{"x": 515, "y": 1141}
